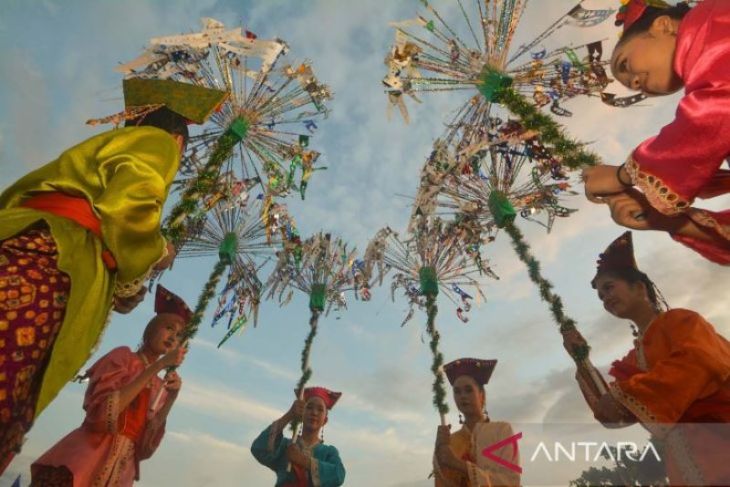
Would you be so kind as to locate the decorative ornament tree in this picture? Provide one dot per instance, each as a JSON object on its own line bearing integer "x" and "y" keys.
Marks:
{"x": 244, "y": 237}
{"x": 324, "y": 269}
{"x": 481, "y": 161}
{"x": 437, "y": 256}
{"x": 261, "y": 133}
{"x": 430, "y": 55}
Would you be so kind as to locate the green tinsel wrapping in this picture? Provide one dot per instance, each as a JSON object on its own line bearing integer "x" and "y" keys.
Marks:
{"x": 228, "y": 248}
{"x": 306, "y": 369}
{"x": 439, "y": 389}
{"x": 429, "y": 281}
{"x": 492, "y": 83}
{"x": 205, "y": 184}
{"x": 208, "y": 293}
{"x": 318, "y": 297}
{"x": 545, "y": 286}
{"x": 239, "y": 128}
{"x": 572, "y": 153}
{"x": 501, "y": 209}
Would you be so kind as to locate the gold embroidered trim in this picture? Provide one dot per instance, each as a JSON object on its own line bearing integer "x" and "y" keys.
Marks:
{"x": 647, "y": 419}
{"x": 121, "y": 454}
{"x": 129, "y": 289}
{"x": 679, "y": 449}
{"x": 660, "y": 196}
{"x": 314, "y": 471}
{"x": 112, "y": 412}
{"x": 475, "y": 476}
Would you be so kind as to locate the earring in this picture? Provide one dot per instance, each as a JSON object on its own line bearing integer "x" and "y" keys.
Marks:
{"x": 486, "y": 414}
{"x": 634, "y": 330}
{"x": 321, "y": 435}
{"x": 461, "y": 419}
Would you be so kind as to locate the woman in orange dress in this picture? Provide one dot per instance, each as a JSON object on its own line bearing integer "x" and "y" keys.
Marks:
{"x": 459, "y": 460}
{"x": 676, "y": 379}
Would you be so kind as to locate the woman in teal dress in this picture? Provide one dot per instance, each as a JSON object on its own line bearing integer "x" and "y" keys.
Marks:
{"x": 313, "y": 464}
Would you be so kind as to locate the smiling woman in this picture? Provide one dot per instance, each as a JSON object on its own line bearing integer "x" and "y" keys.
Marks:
{"x": 122, "y": 425}
{"x": 663, "y": 49}
{"x": 459, "y": 459}
{"x": 313, "y": 464}
{"x": 676, "y": 379}
{"x": 644, "y": 56}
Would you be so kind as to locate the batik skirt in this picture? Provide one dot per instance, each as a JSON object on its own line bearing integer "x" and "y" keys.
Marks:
{"x": 33, "y": 295}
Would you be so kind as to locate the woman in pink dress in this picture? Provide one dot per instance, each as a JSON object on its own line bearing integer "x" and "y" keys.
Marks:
{"x": 663, "y": 49}
{"x": 124, "y": 423}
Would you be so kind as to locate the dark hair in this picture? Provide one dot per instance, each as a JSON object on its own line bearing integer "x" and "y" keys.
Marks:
{"x": 632, "y": 276}
{"x": 677, "y": 12}
{"x": 165, "y": 119}
{"x": 148, "y": 328}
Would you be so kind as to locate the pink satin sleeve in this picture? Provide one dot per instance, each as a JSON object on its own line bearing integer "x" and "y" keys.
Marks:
{"x": 719, "y": 222}
{"x": 675, "y": 166}
{"x": 106, "y": 377}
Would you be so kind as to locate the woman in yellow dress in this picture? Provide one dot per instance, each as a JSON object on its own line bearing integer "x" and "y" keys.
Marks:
{"x": 460, "y": 459}
{"x": 80, "y": 235}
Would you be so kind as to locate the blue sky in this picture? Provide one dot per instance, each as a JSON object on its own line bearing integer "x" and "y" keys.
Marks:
{"x": 57, "y": 62}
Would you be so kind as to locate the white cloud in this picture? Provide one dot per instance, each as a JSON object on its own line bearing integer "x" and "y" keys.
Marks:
{"x": 226, "y": 403}
{"x": 385, "y": 421}
{"x": 234, "y": 357}
{"x": 190, "y": 457}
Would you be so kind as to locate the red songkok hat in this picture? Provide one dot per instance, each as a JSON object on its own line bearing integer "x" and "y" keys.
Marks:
{"x": 329, "y": 397}
{"x": 617, "y": 256}
{"x": 632, "y": 10}
{"x": 478, "y": 369}
{"x": 168, "y": 302}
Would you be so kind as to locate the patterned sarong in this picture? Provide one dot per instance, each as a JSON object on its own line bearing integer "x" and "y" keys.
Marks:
{"x": 33, "y": 294}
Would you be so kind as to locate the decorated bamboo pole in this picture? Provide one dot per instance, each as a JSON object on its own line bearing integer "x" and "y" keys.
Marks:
{"x": 430, "y": 288}
{"x": 431, "y": 260}
{"x": 204, "y": 183}
{"x": 504, "y": 216}
{"x": 429, "y": 56}
{"x": 323, "y": 268}
{"x": 443, "y": 63}
{"x": 226, "y": 257}
{"x": 495, "y": 86}
{"x": 305, "y": 367}
{"x": 316, "y": 306}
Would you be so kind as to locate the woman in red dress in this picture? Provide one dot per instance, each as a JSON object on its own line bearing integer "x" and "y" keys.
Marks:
{"x": 662, "y": 50}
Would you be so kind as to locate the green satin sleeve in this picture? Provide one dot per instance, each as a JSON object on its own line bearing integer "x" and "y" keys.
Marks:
{"x": 136, "y": 173}
{"x": 126, "y": 175}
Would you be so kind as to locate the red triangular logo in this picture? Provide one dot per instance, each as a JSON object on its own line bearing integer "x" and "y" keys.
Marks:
{"x": 488, "y": 452}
